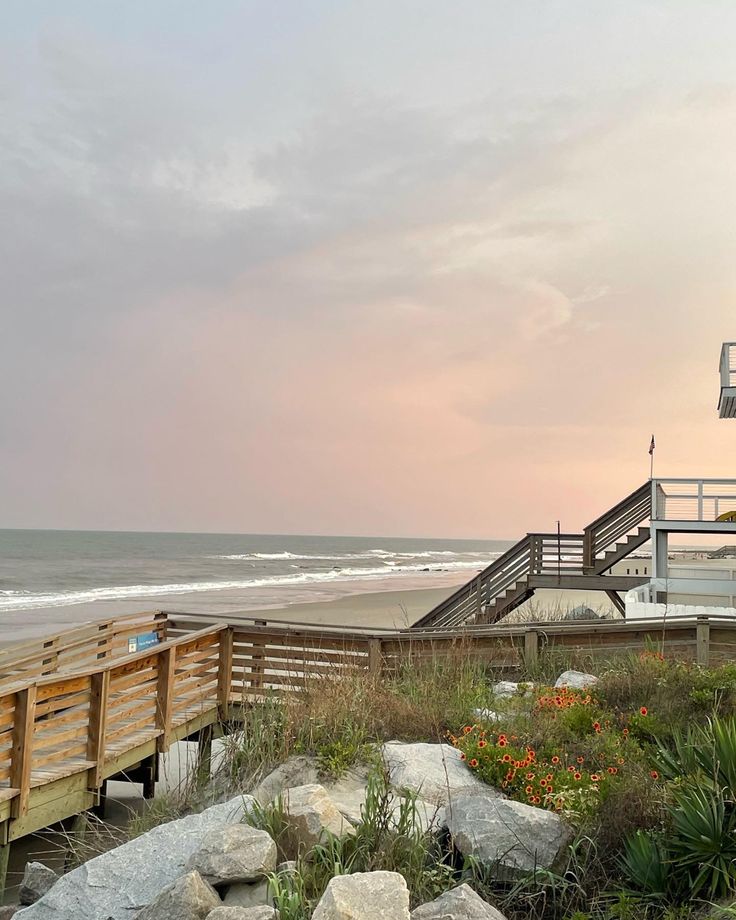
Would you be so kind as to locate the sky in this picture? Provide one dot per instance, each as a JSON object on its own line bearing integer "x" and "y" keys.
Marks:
{"x": 404, "y": 267}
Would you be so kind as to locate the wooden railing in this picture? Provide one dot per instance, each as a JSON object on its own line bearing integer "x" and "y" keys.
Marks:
{"x": 94, "y": 722}
{"x": 602, "y": 534}
{"x": 75, "y": 648}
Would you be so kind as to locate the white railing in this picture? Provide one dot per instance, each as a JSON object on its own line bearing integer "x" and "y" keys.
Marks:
{"x": 714, "y": 595}
{"x": 728, "y": 365}
{"x": 694, "y": 500}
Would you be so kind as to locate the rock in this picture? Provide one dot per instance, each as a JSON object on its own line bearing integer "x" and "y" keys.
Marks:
{"x": 348, "y": 793}
{"x": 189, "y": 898}
{"x": 37, "y": 881}
{"x": 123, "y": 880}
{"x": 434, "y": 771}
{"x": 504, "y": 689}
{"x": 243, "y": 913}
{"x": 9, "y": 911}
{"x": 581, "y": 612}
{"x": 311, "y": 816}
{"x": 296, "y": 771}
{"x": 243, "y": 895}
{"x": 486, "y": 715}
{"x": 462, "y": 903}
{"x": 234, "y": 853}
{"x": 364, "y": 896}
{"x": 505, "y": 834}
{"x": 577, "y": 680}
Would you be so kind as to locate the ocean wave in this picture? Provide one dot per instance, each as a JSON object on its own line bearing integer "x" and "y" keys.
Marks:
{"x": 285, "y": 555}
{"x": 23, "y": 600}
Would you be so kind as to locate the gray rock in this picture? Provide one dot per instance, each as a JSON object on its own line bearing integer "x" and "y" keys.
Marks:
{"x": 311, "y": 816}
{"x": 434, "y": 771}
{"x": 577, "y": 680}
{"x": 189, "y": 898}
{"x": 243, "y": 913}
{"x": 37, "y": 881}
{"x": 486, "y": 715}
{"x": 296, "y": 771}
{"x": 234, "y": 853}
{"x": 244, "y": 895}
{"x": 505, "y": 835}
{"x": 462, "y": 903}
{"x": 364, "y": 896}
{"x": 131, "y": 876}
{"x": 504, "y": 689}
{"x": 582, "y": 612}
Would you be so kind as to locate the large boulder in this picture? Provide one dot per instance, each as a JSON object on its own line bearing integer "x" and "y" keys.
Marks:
{"x": 311, "y": 816}
{"x": 123, "y": 880}
{"x": 37, "y": 881}
{"x": 189, "y": 898}
{"x": 234, "y": 853}
{"x": 296, "y": 771}
{"x": 576, "y": 680}
{"x": 243, "y": 913}
{"x": 462, "y": 903}
{"x": 364, "y": 896}
{"x": 435, "y": 772}
{"x": 507, "y": 836}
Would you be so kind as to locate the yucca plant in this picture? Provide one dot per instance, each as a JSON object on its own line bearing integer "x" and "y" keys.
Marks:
{"x": 703, "y": 841}
{"x": 645, "y": 863}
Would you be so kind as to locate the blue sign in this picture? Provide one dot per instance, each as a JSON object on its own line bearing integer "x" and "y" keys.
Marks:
{"x": 144, "y": 641}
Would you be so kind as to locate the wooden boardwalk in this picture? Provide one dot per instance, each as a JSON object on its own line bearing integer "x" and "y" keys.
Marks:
{"x": 78, "y": 709}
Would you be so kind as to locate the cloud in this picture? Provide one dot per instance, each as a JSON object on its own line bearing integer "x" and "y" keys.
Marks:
{"x": 362, "y": 319}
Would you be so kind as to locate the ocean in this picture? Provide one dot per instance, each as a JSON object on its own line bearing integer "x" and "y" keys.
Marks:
{"x": 217, "y": 573}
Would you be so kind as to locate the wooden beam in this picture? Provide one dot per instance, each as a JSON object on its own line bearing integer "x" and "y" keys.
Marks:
{"x": 615, "y": 598}
{"x": 165, "y": 697}
{"x": 225, "y": 671}
{"x": 22, "y": 750}
{"x": 702, "y": 641}
{"x": 97, "y": 728}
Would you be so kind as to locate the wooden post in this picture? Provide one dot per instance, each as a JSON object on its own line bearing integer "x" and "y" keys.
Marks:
{"x": 162, "y": 623}
{"x": 225, "y": 673}
{"x": 21, "y": 755}
{"x": 4, "y": 857}
{"x": 77, "y": 833}
{"x": 531, "y": 647}
{"x": 149, "y": 775}
{"x": 587, "y": 551}
{"x": 702, "y": 641}
{"x": 50, "y": 664}
{"x": 478, "y": 597}
{"x": 99, "y": 691}
{"x": 165, "y": 697}
{"x": 103, "y": 643}
{"x": 375, "y": 657}
{"x": 256, "y": 681}
{"x": 204, "y": 755}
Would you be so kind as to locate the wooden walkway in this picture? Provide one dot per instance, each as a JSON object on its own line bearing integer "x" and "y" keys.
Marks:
{"x": 82, "y": 710}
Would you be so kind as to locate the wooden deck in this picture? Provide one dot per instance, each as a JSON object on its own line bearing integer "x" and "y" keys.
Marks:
{"x": 103, "y": 713}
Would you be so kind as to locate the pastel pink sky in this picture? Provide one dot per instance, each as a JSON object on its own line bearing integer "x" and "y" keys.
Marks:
{"x": 387, "y": 269}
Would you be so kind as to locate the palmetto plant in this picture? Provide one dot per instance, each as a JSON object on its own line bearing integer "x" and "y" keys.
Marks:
{"x": 697, "y": 857}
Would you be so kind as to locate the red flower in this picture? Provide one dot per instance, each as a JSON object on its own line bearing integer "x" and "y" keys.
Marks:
{"x": 555, "y": 759}
{"x": 473, "y": 763}
{"x": 644, "y": 711}
{"x": 595, "y": 777}
{"x": 462, "y": 756}
{"x": 612, "y": 771}
{"x": 482, "y": 744}
{"x": 654, "y": 774}
{"x": 577, "y": 775}
{"x": 581, "y": 760}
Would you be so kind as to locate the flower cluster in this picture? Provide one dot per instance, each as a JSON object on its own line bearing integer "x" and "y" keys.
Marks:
{"x": 564, "y": 698}
{"x": 573, "y": 766}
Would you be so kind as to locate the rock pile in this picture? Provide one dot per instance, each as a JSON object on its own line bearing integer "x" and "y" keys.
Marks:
{"x": 213, "y": 866}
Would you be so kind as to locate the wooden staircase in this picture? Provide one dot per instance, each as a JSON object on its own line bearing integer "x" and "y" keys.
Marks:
{"x": 570, "y": 560}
